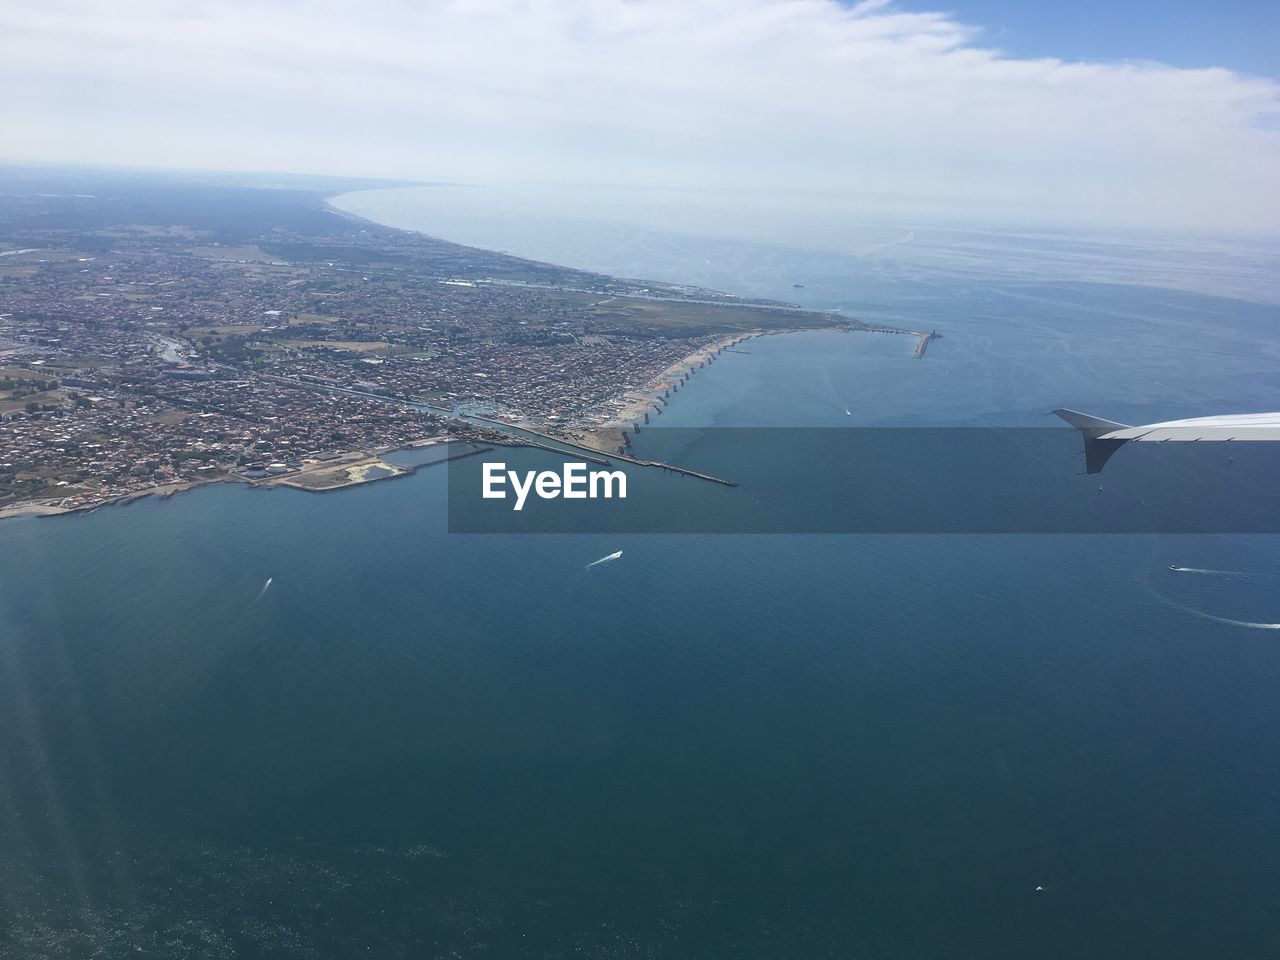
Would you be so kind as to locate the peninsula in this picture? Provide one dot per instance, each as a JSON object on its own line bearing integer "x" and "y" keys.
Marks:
{"x": 162, "y": 332}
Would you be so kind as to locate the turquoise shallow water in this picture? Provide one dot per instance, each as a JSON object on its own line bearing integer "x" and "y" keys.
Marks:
{"x": 417, "y": 743}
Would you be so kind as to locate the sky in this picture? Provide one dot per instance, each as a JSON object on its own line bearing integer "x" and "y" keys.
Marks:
{"x": 1154, "y": 116}
{"x": 1241, "y": 35}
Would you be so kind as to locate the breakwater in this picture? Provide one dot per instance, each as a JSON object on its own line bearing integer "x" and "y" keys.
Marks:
{"x": 550, "y": 442}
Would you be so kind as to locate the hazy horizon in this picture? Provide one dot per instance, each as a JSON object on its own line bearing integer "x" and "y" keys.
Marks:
{"x": 875, "y": 112}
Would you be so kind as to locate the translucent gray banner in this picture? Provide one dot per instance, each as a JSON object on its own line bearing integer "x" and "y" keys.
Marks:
{"x": 868, "y": 480}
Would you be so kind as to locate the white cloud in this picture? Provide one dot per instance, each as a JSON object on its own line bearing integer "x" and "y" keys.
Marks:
{"x": 866, "y": 108}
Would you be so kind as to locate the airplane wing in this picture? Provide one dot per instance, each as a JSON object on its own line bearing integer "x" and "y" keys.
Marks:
{"x": 1102, "y": 438}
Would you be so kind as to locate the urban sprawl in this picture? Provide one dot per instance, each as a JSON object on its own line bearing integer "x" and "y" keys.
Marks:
{"x": 155, "y": 353}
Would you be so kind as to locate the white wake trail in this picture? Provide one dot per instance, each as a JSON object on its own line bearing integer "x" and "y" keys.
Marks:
{"x": 1218, "y": 573}
{"x": 1235, "y": 623}
{"x": 265, "y": 587}
{"x": 1250, "y": 624}
{"x": 612, "y": 556}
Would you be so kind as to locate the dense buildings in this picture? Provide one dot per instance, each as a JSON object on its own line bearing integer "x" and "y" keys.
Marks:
{"x": 161, "y": 334}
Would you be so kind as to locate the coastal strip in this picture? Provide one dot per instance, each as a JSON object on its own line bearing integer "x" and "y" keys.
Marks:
{"x": 643, "y": 403}
{"x": 611, "y": 439}
{"x": 613, "y": 435}
{"x": 359, "y": 468}
{"x": 108, "y": 395}
{"x": 352, "y": 469}
{"x": 545, "y": 439}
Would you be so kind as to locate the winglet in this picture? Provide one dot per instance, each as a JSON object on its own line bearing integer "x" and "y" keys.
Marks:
{"x": 1090, "y": 426}
{"x": 1096, "y": 451}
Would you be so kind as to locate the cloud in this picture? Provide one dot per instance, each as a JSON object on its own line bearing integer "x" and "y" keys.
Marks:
{"x": 868, "y": 107}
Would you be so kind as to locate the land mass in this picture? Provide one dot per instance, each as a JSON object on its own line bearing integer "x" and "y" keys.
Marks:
{"x": 162, "y": 332}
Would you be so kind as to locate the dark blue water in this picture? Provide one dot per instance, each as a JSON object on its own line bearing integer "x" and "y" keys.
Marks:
{"x": 416, "y": 743}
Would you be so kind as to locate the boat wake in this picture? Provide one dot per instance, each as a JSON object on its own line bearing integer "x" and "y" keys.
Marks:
{"x": 1217, "y": 573}
{"x": 265, "y": 587}
{"x": 1203, "y": 615}
{"x": 1235, "y": 623}
{"x": 613, "y": 556}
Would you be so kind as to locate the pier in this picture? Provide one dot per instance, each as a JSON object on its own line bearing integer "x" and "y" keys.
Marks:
{"x": 922, "y": 338}
{"x": 554, "y": 444}
{"x": 672, "y": 468}
{"x": 922, "y": 343}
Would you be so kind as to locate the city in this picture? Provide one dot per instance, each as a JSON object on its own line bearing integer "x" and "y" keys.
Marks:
{"x": 140, "y": 357}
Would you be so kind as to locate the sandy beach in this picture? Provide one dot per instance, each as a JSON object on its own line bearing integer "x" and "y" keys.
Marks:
{"x": 31, "y": 509}
{"x": 638, "y": 401}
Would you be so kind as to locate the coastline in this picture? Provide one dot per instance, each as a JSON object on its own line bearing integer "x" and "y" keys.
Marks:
{"x": 606, "y": 427}
{"x": 610, "y": 438}
{"x": 357, "y": 464}
{"x": 619, "y": 417}
{"x": 647, "y": 399}
{"x": 42, "y": 508}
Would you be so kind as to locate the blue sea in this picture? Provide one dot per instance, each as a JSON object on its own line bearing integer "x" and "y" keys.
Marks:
{"x": 416, "y": 743}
